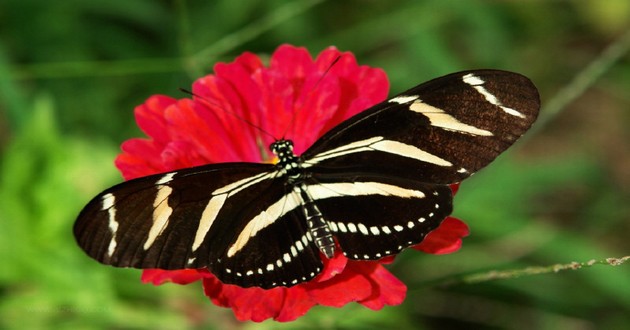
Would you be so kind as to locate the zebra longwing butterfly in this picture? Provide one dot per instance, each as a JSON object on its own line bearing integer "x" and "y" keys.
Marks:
{"x": 371, "y": 186}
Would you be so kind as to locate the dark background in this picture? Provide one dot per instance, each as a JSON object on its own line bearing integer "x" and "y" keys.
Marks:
{"x": 71, "y": 73}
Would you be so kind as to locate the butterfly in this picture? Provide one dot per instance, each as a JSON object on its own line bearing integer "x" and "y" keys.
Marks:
{"x": 370, "y": 187}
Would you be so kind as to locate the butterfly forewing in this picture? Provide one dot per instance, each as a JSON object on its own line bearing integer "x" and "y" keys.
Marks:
{"x": 373, "y": 185}
{"x": 153, "y": 222}
{"x": 441, "y": 131}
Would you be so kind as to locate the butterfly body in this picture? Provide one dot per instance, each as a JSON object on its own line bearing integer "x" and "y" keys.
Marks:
{"x": 290, "y": 167}
{"x": 373, "y": 185}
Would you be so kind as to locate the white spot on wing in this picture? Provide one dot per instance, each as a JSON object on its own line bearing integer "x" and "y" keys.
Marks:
{"x": 239, "y": 185}
{"x": 472, "y": 80}
{"x": 363, "y": 229}
{"x": 350, "y": 148}
{"x": 111, "y": 247}
{"x": 207, "y": 218}
{"x": 378, "y": 143}
{"x": 477, "y": 83}
{"x": 108, "y": 204}
{"x": 409, "y": 151}
{"x": 439, "y": 118}
{"x": 161, "y": 213}
{"x": 108, "y": 201}
{"x": 330, "y": 190}
{"x": 166, "y": 178}
{"x": 402, "y": 99}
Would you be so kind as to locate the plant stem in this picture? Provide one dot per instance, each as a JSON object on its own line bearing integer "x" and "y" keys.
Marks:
{"x": 529, "y": 271}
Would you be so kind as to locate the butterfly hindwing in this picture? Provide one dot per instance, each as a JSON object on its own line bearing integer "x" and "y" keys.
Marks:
{"x": 281, "y": 254}
{"x": 391, "y": 215}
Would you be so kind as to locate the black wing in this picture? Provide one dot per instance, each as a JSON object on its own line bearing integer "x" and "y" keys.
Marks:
{"x": 441, "y": 131}
{"x": 236, "y": 219}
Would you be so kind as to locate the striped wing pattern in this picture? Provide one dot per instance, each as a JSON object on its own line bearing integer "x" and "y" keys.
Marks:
{"x": 372, "y": 186}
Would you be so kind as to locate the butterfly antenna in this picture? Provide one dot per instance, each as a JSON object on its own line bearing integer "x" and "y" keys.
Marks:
{"x": 237, "y": 116}
{"x": 330, "y": 66}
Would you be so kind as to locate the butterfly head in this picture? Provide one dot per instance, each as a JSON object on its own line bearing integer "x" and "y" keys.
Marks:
{"x": 287, "y": 160}
{"x": 282, "y": 148}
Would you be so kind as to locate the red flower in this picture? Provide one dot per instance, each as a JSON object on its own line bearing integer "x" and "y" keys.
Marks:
{"x": 184, "y": 133}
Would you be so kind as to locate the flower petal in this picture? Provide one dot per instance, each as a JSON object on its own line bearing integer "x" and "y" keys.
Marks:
{"x": 332, "y": 267}
{"x": 346, "y": 287}
{"x": 295, "y": 63}
{"x": 160, "y": 276}
{"x": 447, "y": 238}
{"x": 253, "y": 304}
{"x": 388, "y": 290}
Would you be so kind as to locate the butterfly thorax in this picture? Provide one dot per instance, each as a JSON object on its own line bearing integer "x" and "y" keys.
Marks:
{"x": 287, "y": 160}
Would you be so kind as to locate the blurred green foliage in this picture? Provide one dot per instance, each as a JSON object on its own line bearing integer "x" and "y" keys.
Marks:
{"x": 71, "y": 73}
